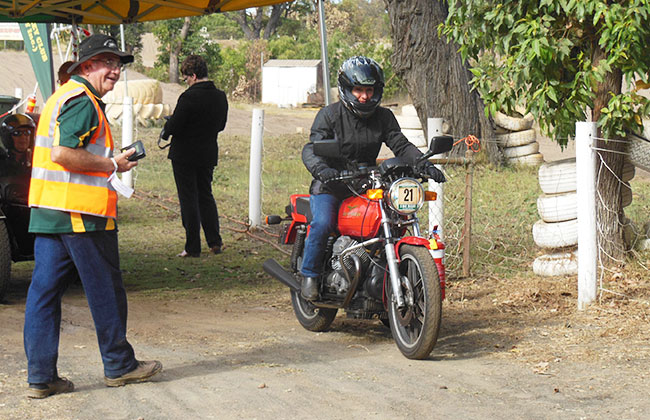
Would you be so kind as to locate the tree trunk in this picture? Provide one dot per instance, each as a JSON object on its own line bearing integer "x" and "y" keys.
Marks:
{"x": 175, "y": 51}
{"x": 609, "y": 211}
{"x": 434, "y": 73}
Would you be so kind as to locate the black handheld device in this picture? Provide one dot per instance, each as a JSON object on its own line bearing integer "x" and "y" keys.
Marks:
{"x": 139, "y": 151}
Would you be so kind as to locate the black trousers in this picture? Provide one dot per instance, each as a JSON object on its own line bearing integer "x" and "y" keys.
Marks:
{"x": 198, "y": 207}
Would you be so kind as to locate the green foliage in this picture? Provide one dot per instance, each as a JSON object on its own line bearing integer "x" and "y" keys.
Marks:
{"x": 198, "y": 42}
{"x": 219, "y": 26}
{"x": 544, "y": 56}
{"x": 132, "y": 35}
{"x": 355, "y": 27}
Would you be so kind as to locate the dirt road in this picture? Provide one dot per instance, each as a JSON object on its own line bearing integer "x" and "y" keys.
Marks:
{"x": 238, "y": 357}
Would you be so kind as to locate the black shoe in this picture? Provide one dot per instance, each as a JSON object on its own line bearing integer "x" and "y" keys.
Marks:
{"x": 309, "y": 288}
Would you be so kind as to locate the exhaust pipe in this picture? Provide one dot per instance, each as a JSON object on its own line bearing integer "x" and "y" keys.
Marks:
{"x": 273, "y": 268}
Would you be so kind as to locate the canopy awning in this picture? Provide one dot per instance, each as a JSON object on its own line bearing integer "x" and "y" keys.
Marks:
{"x": 115, "y": 12}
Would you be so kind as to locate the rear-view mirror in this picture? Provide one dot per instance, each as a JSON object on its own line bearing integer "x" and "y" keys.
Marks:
{"x": 440, "y": 144}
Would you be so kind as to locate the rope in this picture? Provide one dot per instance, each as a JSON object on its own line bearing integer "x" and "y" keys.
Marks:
{"x": 472, "y": 142}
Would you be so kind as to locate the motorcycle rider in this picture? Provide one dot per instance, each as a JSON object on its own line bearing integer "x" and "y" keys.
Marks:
{"x": 17, "y": 133}
{"x": 360, "y": 126}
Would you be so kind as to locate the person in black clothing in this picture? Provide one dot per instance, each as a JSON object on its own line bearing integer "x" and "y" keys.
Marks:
{"x": 199, "y": 116}
{"x": 360, "y": 126}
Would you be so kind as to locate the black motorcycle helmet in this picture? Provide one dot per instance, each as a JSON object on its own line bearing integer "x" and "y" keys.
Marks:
{"x": 360, "y": 71}
{"x": 12, "y": 123}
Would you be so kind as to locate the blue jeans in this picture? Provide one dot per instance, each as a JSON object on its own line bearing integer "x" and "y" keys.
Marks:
{"x": 324, "y": 210}
{"x": 95, "y": 256}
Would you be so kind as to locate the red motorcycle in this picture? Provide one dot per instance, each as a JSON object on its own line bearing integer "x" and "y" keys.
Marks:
{"x": 378, "y": 265}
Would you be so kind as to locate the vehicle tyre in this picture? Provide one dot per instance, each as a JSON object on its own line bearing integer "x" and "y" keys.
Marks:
{"x": 310, "y": 317}
{"x": 555, "y": 235}
{"x": 626, "y": 194}
{"x": 558, "y": 176}
{"x": 557, "y": 207}
{"x": 415, "y": 329}
{"x": 517, "y": 138}
{"x": 513, "y": 123}
{"x": 519, "y": 151}
{"x": 531, "y": 160}
{"x": 5, "y": 259}
{"x": 628, "y": 171}
{"x": 558, "y": 264}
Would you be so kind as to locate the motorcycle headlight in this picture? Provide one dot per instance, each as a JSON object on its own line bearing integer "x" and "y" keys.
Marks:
{"x": 406, "y": 196}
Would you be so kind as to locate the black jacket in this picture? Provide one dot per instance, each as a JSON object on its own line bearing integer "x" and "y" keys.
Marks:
{"x": 200, "y": 114}
{"x": 359, "y": 140}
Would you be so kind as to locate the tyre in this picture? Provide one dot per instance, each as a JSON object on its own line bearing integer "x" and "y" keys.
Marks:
{"x": 517, "y": 138}
{"x": 557, "y": 207}
{"x": 519, "y": 151}
{"x": 555, "y": 235}
{"x": 530, "y": 160}
{"x": 415, "y": 329}
{"x": 628, "y": 171}
{"x": 5, "y": 258}
{"x": 626, "y": 194}
{"x": 558, "y": 176}
{"x": 310, "y": 317}
{"x": 513, "y": 123}
{"x": 558, "y": 264}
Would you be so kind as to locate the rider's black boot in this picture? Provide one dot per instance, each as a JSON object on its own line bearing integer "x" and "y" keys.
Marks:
{"x": 309, "y": 288}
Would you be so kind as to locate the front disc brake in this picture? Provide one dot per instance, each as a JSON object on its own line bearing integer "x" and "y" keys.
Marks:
{"x": 405, "y": 315}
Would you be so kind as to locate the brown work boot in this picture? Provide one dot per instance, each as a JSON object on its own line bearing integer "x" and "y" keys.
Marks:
{"x": 59, "y": 386}
{"x": 142, "y": 373}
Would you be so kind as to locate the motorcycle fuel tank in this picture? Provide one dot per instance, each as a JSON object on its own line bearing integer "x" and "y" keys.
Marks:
{"x": 359, "y": 218}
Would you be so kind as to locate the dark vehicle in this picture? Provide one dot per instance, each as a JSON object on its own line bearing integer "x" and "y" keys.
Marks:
{"x": 378, "y": 265}
{"x": 16, "y": 243}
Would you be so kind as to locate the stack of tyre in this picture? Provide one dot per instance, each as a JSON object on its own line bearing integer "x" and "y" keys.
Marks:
{"x": 557, "y": 230}
{"x": 147, "y": 102}
{"x": 517, "y": 139}
{"x": 411, "y": 127}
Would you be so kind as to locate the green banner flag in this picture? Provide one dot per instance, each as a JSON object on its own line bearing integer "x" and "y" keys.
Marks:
{"x": 39, "y": 48}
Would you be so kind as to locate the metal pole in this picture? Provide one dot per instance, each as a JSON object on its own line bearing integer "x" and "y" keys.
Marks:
{"x": 127, "y": 119}
{"x": 467, "y": 224}
{"x": 586, "y": 195}
{"x": 436, "y": 208}
{"x": 255, "y": 174}
{"x": 323, "y": 52}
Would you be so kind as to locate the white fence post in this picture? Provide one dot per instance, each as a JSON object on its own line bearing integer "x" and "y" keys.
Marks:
{"x": 255, "y": 174}
{"x": 586, "y": 195}
{"x": 127, "y": 134}
{"x": 436, "y": 208}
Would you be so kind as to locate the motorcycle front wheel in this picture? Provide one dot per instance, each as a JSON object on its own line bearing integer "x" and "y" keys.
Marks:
{"x": 415, "y": 328}
{"x": 310, "y": 317}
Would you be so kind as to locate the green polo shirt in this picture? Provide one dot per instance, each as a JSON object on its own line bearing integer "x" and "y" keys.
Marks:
{"x": 78, "y": 121}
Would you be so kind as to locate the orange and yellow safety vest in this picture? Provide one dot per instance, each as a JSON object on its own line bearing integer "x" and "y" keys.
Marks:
{"x": 55, "y": 187}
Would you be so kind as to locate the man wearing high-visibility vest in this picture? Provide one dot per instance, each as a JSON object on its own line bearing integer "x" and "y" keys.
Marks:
{"x": 74, "y": 210}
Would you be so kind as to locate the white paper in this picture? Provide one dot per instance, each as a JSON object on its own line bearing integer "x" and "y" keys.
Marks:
{"x": 119, "y": 186}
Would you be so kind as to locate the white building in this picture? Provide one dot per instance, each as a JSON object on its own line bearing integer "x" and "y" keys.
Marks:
{"x": 291, "y": 82}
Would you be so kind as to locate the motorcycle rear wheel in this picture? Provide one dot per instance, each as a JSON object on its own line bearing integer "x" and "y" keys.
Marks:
{"x": 415, "y": 329}
{"x": 310, "y": 317}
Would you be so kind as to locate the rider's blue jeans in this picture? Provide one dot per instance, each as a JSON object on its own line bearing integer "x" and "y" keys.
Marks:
{"x": 324, "y": 210}
{"x": 95, "y": 256}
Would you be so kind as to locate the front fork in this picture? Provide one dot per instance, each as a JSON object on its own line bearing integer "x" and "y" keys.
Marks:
{"x": 391, "y": 260}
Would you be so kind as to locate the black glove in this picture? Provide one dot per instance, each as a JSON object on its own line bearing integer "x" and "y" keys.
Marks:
{"x": 327, "y": 174}
{"x": 434, "y": 173}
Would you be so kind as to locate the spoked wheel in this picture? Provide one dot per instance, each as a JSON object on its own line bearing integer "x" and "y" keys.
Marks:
{"x": 415, "y": 327}
{"x": 310, "y": 317}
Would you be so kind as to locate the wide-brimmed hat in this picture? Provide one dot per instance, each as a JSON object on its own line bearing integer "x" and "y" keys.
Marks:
{"x": 98, "y": 44}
